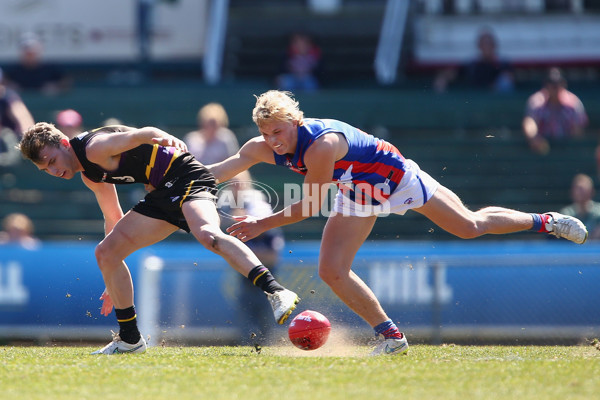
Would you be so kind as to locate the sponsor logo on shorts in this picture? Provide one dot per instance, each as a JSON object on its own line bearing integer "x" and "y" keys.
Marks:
{"x": 170, "y": 183}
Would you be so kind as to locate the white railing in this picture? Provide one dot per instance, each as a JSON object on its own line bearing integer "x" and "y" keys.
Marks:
{"x": 216, "y": 31}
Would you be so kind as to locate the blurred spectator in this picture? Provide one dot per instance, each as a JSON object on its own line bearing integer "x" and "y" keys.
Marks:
{"x": 254, "y": 313}
{"x": 14, "y": 114}
{"x": 486, "y": 71}
{"x": 583, "y": 206}
{"x": 301, "y": 65}
{"x": 212, "y": 141}
{"x": 553, "y": 113}
{"x": 18, "y": 229}
{"x": 69, "y": 122}
{"x": 31, "y": 73}
{"x": 14, "y": 119}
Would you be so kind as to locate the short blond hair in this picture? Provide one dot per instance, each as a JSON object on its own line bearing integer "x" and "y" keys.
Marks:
{"x": 19, "y": 222}
{"x": 214, "y": 111}
{"x": 276, "y": 105}
{"x": 37, "y": 137}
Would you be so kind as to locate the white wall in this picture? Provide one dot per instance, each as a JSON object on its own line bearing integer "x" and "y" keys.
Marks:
{"x": 522, "y": 39}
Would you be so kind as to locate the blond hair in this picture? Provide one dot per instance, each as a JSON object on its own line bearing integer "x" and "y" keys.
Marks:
{"x": 276, "y": 105}
{"x": 19, "y": 222}
{"x": 37, "y": 137}
{"x": 214, "y": 111}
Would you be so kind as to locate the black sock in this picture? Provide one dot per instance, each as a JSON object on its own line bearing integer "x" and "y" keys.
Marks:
{"x": 127, "y": 320}
{"x": 260, "y": 276}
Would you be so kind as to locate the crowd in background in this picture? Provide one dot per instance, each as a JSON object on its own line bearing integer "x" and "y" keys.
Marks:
{"x": 552, "y": 115}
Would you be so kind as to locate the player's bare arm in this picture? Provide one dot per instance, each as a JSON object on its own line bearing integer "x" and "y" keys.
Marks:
{"x": 105, "y": 150}
{"x": 319, "y": 160}
{"x": 108, "y": 201}
{"x": 253, "y": 152}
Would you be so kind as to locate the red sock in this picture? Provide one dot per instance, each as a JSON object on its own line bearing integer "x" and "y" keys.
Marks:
{"x": 545, "y": 218}
{"x": 539, "y": 222}
{"x": 392, "y": 333}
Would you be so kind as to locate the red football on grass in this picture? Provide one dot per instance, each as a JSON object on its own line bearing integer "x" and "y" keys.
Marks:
{"x": 309, "y": 330}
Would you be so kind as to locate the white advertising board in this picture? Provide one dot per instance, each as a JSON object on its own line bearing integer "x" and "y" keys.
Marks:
{"x": 107, "y": 30}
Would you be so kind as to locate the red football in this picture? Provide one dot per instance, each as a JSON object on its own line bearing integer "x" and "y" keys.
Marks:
{"x": 309, "y": 330}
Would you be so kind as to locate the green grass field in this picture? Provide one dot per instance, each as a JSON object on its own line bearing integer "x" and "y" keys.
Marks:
{"x": 428, "y": 372}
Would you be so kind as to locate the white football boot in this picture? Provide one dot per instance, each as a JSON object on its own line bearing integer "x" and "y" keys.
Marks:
{"x": 117, "y": 346}
{"x": 283, "y": 303}
{"x": 566, "y": 227}
{"x": 391, "y": 347}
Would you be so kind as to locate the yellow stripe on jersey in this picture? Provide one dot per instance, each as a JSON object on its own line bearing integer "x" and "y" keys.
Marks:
{"x": 187, "y": 192}
{"x": 175, "y": 155}
{"x": 152, "y": 160}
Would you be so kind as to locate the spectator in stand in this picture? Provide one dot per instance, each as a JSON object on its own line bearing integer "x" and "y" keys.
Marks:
{"x": 69, "y": 122}
{"x": 584, "y": 207}
{"x": 14, "y": 114}
{"x": 18, "y": 229}
{"x": 553, "y": 113}
{"x": 213, "y": 141}
{"x": 301, "y": 65}
{"x": 14, "y": 119}
{"x": 486, "y": 71}
{"x": 31, "y": 73}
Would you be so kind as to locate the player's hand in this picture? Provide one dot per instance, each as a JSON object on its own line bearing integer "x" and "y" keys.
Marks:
{"x": 246, "y": 228}
{"x": 171, "y": 141}
{"x": 107, "y": 304}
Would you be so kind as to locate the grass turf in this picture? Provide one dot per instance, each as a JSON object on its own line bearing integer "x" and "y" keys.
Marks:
{"x": 428, "y": 372}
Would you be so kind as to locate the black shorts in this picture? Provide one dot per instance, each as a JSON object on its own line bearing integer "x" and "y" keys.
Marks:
{"x": 186, "y": 180}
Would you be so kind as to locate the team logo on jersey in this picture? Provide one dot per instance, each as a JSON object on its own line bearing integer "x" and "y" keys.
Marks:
{"x": 170, "y": 183}
{"x": 346, "y": 178}
{"x": 295, "y": 168}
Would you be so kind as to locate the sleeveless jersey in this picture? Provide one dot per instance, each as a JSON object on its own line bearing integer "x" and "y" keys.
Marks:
{"x": 145, "y": 164}
{"x": 370, "y": 171}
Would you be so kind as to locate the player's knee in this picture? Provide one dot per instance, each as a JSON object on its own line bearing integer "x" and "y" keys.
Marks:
{"x": 104, "y": 256}
{"x": 209, "y": 237}
{"x": 329, "y": 275}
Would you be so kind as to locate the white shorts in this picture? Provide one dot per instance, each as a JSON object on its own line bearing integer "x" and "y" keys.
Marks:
{"x": 415, "y": 188}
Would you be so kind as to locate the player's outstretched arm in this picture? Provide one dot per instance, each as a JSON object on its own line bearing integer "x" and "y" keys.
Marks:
{"x": 320, "y": 161}
{"x": 108, "y": 200}
{"x": 253, "y": 152}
